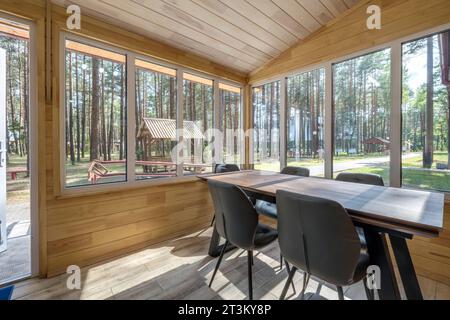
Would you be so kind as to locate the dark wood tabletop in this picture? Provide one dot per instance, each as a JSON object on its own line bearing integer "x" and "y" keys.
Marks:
{"x": 408, "y": 211}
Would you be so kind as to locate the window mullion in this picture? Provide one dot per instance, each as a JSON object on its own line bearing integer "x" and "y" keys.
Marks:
{"x": 329, "y": 121}
{"x": 180, "y": 118}
{"x": 396, "y": 115}
{"x": 283, "y": 123}
{"x": 131, "y": 118}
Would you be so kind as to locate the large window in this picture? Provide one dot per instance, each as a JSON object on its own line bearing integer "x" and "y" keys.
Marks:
{"x": 426, "y": 108}
{"x": 305, "y": 121}
{"x": 128, "y": 118}
{"x": 95, "y": 113}
{"x": 266, "y": 126}
{"x": 362, "y": 108}
{"x": 156, "y": 113}
{"x": 198, "y": 124}
{"x": 231, "y": 126}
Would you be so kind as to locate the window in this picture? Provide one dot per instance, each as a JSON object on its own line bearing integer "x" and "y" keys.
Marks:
{"x": 95, "y": 113}
{"x": 425, "y": 113}
{"x": 156, "y": 110}
{"x": 305, "y": 121}
{"x": 231, "y": 126}
{"x": 198, "y": 124}
{"x": 362, "y": 106}
{"x": 266, "y": 125}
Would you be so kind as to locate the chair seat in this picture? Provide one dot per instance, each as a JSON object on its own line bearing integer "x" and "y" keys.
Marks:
{"x": 264, "y": 235}
{"x": 266, "y": 209}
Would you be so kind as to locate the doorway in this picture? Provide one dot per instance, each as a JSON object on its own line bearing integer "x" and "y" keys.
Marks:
{"x": 17, "y": 206}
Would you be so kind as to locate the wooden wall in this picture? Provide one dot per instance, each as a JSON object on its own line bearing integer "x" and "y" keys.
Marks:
{"x": 349, "y": 34}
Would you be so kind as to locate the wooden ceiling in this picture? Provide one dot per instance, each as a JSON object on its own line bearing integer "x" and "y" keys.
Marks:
{"x": 240, "y": 34}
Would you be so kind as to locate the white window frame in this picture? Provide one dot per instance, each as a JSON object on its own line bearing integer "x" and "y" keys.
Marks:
{"x": 396, "y": 100}
{"x": 131, "y": 56}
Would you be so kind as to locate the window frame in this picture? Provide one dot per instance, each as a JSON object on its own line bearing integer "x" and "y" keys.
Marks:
{"x": 131, "y": 58}
{"x": 396, "y": 103}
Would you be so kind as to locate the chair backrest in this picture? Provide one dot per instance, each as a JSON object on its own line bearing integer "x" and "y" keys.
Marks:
{"x": 318, "y": 236}
{"x": 222, "y": 168}
{"x": 363, "y": 178}
{"x": 236, "y": 217}
{"x": 296, "y": 171}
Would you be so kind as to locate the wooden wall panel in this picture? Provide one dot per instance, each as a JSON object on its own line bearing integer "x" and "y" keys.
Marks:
{"x": 348, "y": 34}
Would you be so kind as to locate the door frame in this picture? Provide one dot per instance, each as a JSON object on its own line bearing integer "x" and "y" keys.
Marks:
{"x": 33, "y": 140}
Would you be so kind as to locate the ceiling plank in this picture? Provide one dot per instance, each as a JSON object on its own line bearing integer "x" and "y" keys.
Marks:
{"x": 336, "y": 7}
{"x": 148, "y": 28}
{"x": 279, "y": 16}
{"x": 260, "y": 19}
{"x": 317, "y": 9}
{"x": 212, "y": 19}
{"x": 296, "y": 11}
{"x": 242, "y": 22}
{"x": 183, "y": 19}
{"x": 175, "y": 27}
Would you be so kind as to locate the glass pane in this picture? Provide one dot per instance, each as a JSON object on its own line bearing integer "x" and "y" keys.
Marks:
{"x": 232, "y": 130}
{"x": 198, "y": 124}
{"x": 305, "y": 122}
{"x": 95, "y": 118}
{"x": 362, "y": 107}
{"x": 155, "y": 121}
{"x": 266, "y": 124}
{"x": 425, "y": 108}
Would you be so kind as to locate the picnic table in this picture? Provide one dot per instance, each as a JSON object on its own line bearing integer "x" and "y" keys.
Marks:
{"x": 15, "y": 171}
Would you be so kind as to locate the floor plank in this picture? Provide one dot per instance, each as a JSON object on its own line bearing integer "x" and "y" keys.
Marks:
{"x": 181, "y": 269}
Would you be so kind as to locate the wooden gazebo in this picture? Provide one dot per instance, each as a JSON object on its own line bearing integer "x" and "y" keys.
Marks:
{"x": 155, "y": 130}
{"x": 376, "y": 144}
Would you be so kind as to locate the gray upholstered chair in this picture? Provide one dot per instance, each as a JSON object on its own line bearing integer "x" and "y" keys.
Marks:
{"x": 237, "y": 221}
{"x": 224, "y": 168}
{"x": 270, "y": 209}
{"x": 317, "y": 236}
{"x": 363, "y": 178}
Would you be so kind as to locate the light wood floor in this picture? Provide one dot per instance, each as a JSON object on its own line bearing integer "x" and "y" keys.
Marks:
{"x": 181, "y": 269}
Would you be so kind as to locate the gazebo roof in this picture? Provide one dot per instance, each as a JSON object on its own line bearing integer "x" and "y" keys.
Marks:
{"x": 376, "y": 140}
{"x": 165, "y": 129}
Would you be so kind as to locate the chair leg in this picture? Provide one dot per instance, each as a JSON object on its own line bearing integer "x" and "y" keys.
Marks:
{"x": 218, "y": 262}
{"x": 281, "y": 261}
{"x": 250, "y": 280}
{"x": 306, "y": 277}
{"x": 288, "y": 282}
{"x": 340, "y": 293}
{"x": 369, "y": 294}
{"x": 288, "y": 269}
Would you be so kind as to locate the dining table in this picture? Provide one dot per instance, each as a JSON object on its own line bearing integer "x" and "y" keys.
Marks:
{"x": 389, "y": 217}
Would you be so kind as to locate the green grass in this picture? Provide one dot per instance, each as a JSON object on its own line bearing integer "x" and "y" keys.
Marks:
{"x": 417, "y": 162}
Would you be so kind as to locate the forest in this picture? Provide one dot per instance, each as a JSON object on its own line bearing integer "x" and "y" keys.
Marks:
{"x": 17, "y": 95}
{"x": 361, "y": 116}
{"x": 96, "y": 118}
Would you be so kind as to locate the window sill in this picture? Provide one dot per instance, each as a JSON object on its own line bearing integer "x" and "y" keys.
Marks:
{"x": 95, "y": 190}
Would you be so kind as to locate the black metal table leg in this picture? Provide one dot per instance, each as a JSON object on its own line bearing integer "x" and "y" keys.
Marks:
{"x": 214, "y": 246}
{"x": 379, "y": 256}
{"x": 406, "y": 268}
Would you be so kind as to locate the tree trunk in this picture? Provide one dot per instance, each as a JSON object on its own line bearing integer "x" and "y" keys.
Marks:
{"x": 104, "y": 139}
{"x": 77, "y": 110}
{"x": 122, "y": 124}
{"x": 94, "y": 136}
{"x": 71, "y": 139}
{"x": 111, "y": 116}
{"x": 429, "y": 134}
{"x": 83, "y": 111}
